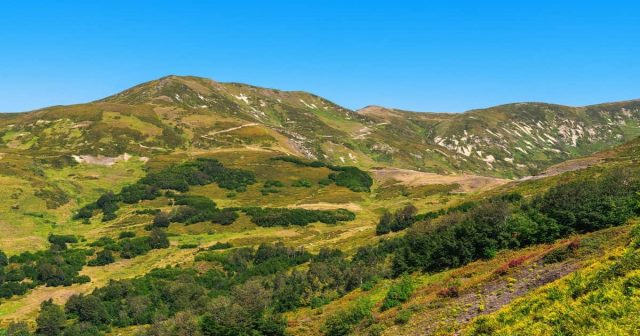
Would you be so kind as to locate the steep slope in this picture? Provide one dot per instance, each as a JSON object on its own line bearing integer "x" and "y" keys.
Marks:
{"x": 519, "y": 139}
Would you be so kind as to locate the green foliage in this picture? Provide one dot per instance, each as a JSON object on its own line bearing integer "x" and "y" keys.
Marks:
{"x": 349, "y": 177}
{"x": 302, "y": 184}
{"x": 271, "y": 186}
{"x": 220, "y": 246}
{"x": 54, "y": 267}
{"x": 194, "y": 209}
{"x": 344, "y": 322}
{"x": 60, "y": 241}
{"x": 103, "y": 257}
{"x": 398, "y": 293}
{"x": 126, "y": 234}
{"x": 591, "y": 204}
{"x": 161, "y": 220}
{"x": 18, "y": 329}
{"x": 398, "y": 221}
{"x": 53, "y": 198}
{"x": 179, "y": 177}
{"x": 506, "y": 222}
{"x": 352, "y": 178}
{"x": 403, "y": 317}
{"x": 300, "y": 162}
{"x": 4, "y": 261}
{"x": 296, "y": 216}
{"x": 51, "y": 320}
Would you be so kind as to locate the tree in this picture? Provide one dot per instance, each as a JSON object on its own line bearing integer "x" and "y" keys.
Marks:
{"x": 103, "y": 257}
{"x": 4, "y": 261}
{"x": 161, "y": 220}
{"x": 253, "y": 297}
{"x": 158, "y": 239}
{"x": 88, "y": 309}
{"x": 51, "y": 319}
{"x": 18, "y": 329}
{"x": 82, "y": 329}
{"x": 384, "y": 225}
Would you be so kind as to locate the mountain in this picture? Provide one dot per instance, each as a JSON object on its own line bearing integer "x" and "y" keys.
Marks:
{"x": 177, "y": 113}
{"x": 187, "y": 206}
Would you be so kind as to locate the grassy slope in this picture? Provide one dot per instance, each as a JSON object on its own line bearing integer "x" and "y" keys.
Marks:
{"x": 195, "y": 114}
{"x": 483, "y": 292}
{"x": 86, "y": 182}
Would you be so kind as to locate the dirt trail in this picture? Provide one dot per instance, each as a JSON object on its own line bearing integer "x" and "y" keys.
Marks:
{"x": 566, "y": 166}
{"x": 230, "y": 129}
{"x": 329, "y": 206}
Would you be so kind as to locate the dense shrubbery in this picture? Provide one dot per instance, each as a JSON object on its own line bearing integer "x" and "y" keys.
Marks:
{"x": 296, "y": 216}
{"x": 588, "y": 205}
{"x": 103, "y": 257}
{"x": 300, "y": 162}
{"x": 397, "y": 221}
{"x": 398, "y": 293}
{"x": 349, "y": 177}
{"x": 302, "y": 184}
{"x": 579, "y": 206}
{"x": 107, "y": 203}
{"x": 271, "y": 186}
{"x": 352, "y": 178}
{"x": 183, "y": 301}
{"x": 194, "y": 209}
{"x": 58, "y": 266}
{"x": 178, "y": 177}
{"x": 345, "y": 321}
{"x": 220, "y": 246}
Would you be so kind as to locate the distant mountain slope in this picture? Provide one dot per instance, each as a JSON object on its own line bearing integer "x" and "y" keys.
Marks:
{"x": 190, "y": 113}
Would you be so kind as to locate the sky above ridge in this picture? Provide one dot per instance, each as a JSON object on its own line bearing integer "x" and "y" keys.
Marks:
{"x": 447, "y": 56}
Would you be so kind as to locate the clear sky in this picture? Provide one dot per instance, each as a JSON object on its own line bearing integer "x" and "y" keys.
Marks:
{"x": 417, "y": 55}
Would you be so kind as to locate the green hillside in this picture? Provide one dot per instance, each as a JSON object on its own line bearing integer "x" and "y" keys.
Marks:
{"x": 195, "y": 114}
{"x": 184, "y": 206}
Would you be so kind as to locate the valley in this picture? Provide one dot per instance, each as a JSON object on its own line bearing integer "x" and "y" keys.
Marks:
{"x": 185, "y": 206}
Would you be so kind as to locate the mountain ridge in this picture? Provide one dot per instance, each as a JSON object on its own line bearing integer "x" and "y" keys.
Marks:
{"x": 187, "y": 112}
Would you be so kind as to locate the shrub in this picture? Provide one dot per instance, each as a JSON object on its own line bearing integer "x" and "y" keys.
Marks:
{"x": 285, "y": 216}
{"x": 398, "y": 293}
{"x": 449, "y": 292}
{"x": 103, "y": 257}
{"x": 343, "y": 322}
{"x": 61, "y": 241}
{"x": 352, "y": 178}
{"x": 400, "y": 220}
{"x": 403, "y": 317}
{"x": 220, "y": 246}
{"x": 302, "y": 183}
{"x": 556, "y": 255}
{"x": 161, "y": 220}
{"x": 126, "y": 234}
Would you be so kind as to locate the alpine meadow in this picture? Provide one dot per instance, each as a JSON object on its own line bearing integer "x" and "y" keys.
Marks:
{"x": 184, "y": 206}
{"x": 394, "y": 168}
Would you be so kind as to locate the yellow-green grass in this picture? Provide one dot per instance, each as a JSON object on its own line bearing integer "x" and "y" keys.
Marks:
{"x": 86, "y": 182}
{"x": 606, "y": 310}
{"x": 438, "y": 315}
{"x": 25, "y": 221}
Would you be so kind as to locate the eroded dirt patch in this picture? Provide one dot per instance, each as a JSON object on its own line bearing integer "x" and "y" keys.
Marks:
{"x": 467, "y": 182}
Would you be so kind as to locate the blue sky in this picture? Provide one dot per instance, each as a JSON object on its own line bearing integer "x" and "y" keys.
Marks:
{"x": 417, "y": 55}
